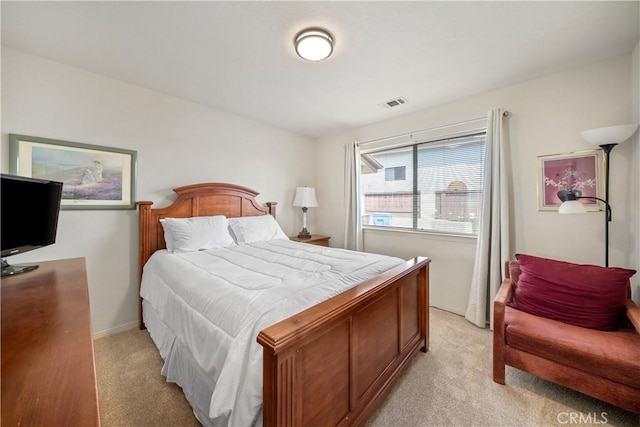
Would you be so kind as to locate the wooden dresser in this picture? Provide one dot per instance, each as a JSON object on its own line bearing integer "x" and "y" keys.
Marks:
{"x": 48, "y": 372}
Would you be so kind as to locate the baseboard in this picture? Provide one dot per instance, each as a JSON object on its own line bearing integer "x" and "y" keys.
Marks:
{"x": 115, "y": 330}
{"x": 449, "y": 309}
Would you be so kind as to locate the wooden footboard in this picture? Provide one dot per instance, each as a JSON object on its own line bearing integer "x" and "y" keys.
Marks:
{"x": 334, "y": 363}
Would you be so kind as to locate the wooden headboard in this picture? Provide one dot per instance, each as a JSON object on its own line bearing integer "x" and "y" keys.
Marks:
{"x": 196, "y": 200}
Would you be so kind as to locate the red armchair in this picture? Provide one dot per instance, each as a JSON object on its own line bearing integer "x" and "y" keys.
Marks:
{"x": 602, "y": 364}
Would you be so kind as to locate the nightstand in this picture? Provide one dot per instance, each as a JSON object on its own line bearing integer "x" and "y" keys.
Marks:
{"x": 313, "y": 240}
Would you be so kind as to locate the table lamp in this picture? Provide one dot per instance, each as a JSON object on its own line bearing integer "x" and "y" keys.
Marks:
{"x": 305, "y": 198}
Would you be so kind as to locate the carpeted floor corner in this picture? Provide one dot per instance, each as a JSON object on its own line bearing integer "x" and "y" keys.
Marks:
{"x": 451, "y": 385}
{"x": 131, "y": 390}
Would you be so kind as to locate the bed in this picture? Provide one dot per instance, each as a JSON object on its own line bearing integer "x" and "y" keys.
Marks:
{"x": 332, "y": 363}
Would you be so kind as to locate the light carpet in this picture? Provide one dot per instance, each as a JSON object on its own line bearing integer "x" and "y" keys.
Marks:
{"x": 451, "y": 385}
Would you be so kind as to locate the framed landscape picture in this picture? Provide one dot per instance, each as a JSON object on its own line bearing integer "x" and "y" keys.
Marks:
{"x": 93, "y": 177}
{"x": 580, "y": 172}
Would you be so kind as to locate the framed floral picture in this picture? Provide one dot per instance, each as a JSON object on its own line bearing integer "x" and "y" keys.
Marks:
{"x": 580, "y": 172}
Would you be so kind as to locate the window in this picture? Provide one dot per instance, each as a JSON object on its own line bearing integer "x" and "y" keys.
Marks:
{"x": 430, "y": 186}
{"x": 397, "y": 173}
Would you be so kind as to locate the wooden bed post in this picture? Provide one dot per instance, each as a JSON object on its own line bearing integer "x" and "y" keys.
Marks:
{"x": 272, "y": 208}
{"x": 143, "y": 250}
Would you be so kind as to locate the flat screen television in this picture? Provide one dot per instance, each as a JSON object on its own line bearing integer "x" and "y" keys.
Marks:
{"x": 29, "y": 216}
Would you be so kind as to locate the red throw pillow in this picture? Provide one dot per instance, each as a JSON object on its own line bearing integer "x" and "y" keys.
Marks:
{"x": 579, "y": 294}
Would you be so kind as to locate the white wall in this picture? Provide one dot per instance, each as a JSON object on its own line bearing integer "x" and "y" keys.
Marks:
{"x": 178, "y": 143}
{"x": 547, "y": 117}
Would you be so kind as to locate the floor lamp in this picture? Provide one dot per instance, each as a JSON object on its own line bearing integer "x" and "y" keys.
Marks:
{"x": 606, "y": 138}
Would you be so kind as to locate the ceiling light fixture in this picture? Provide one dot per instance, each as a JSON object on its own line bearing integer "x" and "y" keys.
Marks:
{"x": 314, "y": 44}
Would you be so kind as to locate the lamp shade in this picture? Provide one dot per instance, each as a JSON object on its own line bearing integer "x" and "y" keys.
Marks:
{"x": 609, "y": 135}
{"x": 572, "y": 207}
{"x": 305, "y": 197}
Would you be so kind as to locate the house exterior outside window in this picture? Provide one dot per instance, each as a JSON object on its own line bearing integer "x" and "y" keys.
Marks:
{"x": 397, "y": 173}
{"x": 441, "y": 191}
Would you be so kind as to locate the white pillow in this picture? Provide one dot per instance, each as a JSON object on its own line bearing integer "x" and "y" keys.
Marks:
{"x": 196, "y": 233}
{"x": 253, "y": 229}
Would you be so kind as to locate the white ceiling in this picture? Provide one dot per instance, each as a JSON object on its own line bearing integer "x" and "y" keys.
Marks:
{"x": 239, "y": 57}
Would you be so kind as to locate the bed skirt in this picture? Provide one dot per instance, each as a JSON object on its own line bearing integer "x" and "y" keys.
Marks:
{"x": 180, "y": 368}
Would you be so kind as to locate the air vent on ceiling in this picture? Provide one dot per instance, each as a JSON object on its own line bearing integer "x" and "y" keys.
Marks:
{"x": 395, "y": 102}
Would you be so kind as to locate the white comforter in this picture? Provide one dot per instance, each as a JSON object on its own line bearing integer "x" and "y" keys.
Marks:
{"x": 217, "y": 301}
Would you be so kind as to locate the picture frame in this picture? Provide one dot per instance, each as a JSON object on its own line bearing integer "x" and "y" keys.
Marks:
{"x": 94, "y": 177}
{"x": 580, "y": 171}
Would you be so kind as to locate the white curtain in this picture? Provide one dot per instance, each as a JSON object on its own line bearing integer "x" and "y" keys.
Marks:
{"x": 353, "y": 216}
{"x": 493, "y": 247}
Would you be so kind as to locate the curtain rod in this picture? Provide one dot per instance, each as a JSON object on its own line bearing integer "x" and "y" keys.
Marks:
{"x": 410, "y": 134}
